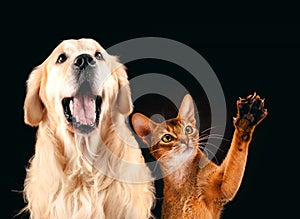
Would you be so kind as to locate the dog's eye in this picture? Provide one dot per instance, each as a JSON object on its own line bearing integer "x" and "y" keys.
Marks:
{"x": 61, "y": 58}
{"x": 99, "y": 56}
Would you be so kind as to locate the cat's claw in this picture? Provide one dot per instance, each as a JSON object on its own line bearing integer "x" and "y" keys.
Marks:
{"x": 251, "y": 111}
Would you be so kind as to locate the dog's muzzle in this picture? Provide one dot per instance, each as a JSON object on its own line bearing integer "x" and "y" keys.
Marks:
{"x": 82, "y": 111}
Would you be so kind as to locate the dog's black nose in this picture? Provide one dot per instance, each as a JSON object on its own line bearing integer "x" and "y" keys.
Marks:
{"x": 84, "y": 60}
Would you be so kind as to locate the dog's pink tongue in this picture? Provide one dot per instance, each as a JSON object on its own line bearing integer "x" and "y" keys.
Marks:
{"x": 84, "y": 109}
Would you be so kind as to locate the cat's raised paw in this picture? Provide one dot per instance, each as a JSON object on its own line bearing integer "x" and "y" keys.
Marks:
{"x": 251, "y": 111}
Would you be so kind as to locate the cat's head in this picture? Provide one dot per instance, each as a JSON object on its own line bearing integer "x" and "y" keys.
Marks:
{"x": 174, "y": 140}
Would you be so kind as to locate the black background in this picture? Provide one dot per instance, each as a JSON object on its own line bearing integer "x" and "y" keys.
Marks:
{"x": 245, "y": 57}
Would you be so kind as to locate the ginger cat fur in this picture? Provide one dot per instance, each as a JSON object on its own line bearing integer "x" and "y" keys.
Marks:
{"x": 194, "y": 186}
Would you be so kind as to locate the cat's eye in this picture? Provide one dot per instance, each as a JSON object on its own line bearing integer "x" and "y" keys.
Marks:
{"x": 61, "y": 58}
{"x": 167, "y": 138}
{"x": 189, "y": 129}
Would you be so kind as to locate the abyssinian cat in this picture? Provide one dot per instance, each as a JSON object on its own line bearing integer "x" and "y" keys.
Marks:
{"x": 194, "y": 186}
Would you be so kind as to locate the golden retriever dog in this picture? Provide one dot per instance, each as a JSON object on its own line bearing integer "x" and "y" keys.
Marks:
{"x": 87, "y": 163}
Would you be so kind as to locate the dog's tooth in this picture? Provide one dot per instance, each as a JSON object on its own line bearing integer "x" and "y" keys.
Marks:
{"x": 71, "y": 106}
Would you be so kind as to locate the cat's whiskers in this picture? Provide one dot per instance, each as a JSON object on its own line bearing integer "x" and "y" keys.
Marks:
{"x": 169, "y": 153}
{"x": 161, "y": 157}
{"x": 196, "y": 183}
{"x": 203, "y": 140}
{"x": 164, "y": 155}
{"x": 156, "y": 150}
{"x": 214, "y": 136}
{"x": 213, "y": 145}
{"x": 156, "y": 162}
{"x": 207, "y": 151}
{"x": 203, "y": 145}
{"x": 208, "y": 130}
{"x": 177, "y": 148}
{"x": 205, "y": 134}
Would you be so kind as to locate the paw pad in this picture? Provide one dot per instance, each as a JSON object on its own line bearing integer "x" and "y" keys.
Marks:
{"x": 251, "y": 109}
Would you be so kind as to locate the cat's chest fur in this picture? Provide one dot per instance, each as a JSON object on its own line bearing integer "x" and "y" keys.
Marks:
{"x": 179, "y": 166}
{"x": 183, "y": 180}
{"x": 185, "y": 194}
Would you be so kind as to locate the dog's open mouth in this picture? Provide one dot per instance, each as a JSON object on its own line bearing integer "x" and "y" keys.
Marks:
{"x": 82, "y": 111}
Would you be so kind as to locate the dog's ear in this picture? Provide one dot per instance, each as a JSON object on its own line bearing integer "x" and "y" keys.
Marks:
{"x": 124, "y": 102}
{"x": 33, "y": 106}
{"x": 123, "y": 99}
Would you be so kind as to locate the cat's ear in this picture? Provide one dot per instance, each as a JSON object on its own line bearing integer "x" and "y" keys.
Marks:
{"x": 142, "y": 125}
{"x": 186, "y": 110}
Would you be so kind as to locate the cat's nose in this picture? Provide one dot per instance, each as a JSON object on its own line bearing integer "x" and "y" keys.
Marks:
{"x": 185, "y": 141}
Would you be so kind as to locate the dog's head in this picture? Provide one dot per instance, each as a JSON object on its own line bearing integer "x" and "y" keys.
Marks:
{"x": 72, "y": 85}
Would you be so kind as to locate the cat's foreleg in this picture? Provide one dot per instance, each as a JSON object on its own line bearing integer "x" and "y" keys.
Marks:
{"x": 251, "y": 112}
